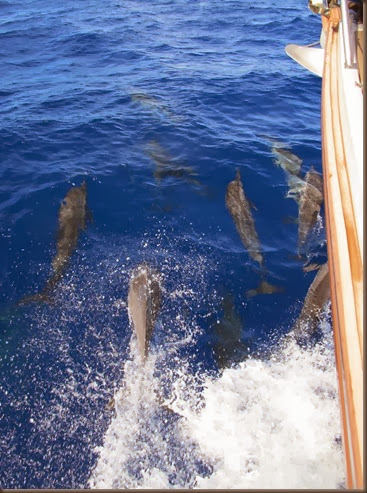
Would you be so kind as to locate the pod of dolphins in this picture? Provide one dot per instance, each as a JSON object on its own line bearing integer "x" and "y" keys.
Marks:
{"x": 307, "y": 191}
{"x": 145, "y": 292}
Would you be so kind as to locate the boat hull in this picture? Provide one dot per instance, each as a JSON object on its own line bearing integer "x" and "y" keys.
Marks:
{"x": 342, "y": 158}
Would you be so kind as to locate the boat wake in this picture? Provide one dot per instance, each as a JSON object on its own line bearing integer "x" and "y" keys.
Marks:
{"x": 270, "y": 423}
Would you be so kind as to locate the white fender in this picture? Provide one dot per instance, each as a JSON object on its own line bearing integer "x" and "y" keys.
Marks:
{"x": 309, "y": 57}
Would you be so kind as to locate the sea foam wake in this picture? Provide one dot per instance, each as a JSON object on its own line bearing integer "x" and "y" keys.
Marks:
{"x": 270, "y": 423}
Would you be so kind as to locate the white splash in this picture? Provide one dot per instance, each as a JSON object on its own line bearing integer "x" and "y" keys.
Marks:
{"x": 265, "y": 424}
{"x": 272, "y": 424}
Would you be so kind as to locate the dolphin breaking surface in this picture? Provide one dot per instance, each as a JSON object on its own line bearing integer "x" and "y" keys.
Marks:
{"x": 144, "y": 303}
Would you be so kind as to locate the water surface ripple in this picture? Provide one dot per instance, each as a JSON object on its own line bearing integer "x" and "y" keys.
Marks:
{"x": 86, "y": 88}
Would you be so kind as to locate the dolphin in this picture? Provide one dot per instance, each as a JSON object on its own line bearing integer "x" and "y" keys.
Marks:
{"x": 264, "y": 288}
{"x": 273, "y": 140}
{"x": 318, "y": 294}
{"x": 228, "y": 332}
{"x": 310, "y": 202}
{"x": 309, "y": 267}
{"x": 144, "y": 98}
{"x": 240, "y": 209}
{"x": 291, "y": 165}
{"x": 289, "y": 162}
{"x": 73, "y": 215}
{"x": 296, "y": 186}
{"x": 153, "y": 104}
{"x": 166, "y": 165}
{"x": 144, "y": 303}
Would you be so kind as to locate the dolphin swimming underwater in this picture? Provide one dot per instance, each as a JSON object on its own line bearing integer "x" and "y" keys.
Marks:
{"x": 291, "y": 165}
{"x": 310, "y": 202}
{"x": 278, "y": 144}
{"x": 153, "y": 104}
{"x": 289, "y": 162}
{"x": 166, "y": 166}
{"x": 296, "y": 186}
{"x": 317, "y": 295}
{"x": 144, "y": 303}
{"x": 309, "y": 267}
{"x": 264, "y": 288}
{"x": 240, "y": 209}
{"x": 229, "y": 347}
{"x": 72, "y": 219}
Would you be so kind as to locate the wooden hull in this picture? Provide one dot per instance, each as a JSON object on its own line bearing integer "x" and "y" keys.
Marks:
{"x": 342, "y": 161}
{"x": 342, "y": 157}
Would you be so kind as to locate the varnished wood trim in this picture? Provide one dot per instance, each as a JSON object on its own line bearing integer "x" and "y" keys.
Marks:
{"x": 345, "y": 264}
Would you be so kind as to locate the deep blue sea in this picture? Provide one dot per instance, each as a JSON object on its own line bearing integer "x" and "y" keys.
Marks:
{"x": 87, "y": 87}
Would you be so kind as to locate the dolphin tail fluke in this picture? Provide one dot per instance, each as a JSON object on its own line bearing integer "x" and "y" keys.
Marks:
{"x": 42, "y": 297}
{"x": 264, "y": 288}
{"x": 251, "y": 292}
{"x": 311, "y": 267}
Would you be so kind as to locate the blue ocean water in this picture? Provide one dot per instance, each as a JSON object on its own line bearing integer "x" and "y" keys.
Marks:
{"x": 86, "y": 87}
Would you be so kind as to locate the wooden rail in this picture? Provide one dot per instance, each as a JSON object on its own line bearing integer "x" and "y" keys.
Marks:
{"x": 344, "y": 254}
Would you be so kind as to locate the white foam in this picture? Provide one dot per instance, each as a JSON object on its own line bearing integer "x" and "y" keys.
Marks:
{"x": 265, "y": 424}
{"x": 272, "y": 424}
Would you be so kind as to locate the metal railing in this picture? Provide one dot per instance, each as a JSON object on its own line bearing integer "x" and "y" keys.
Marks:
{"x": 348, "y": 36}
